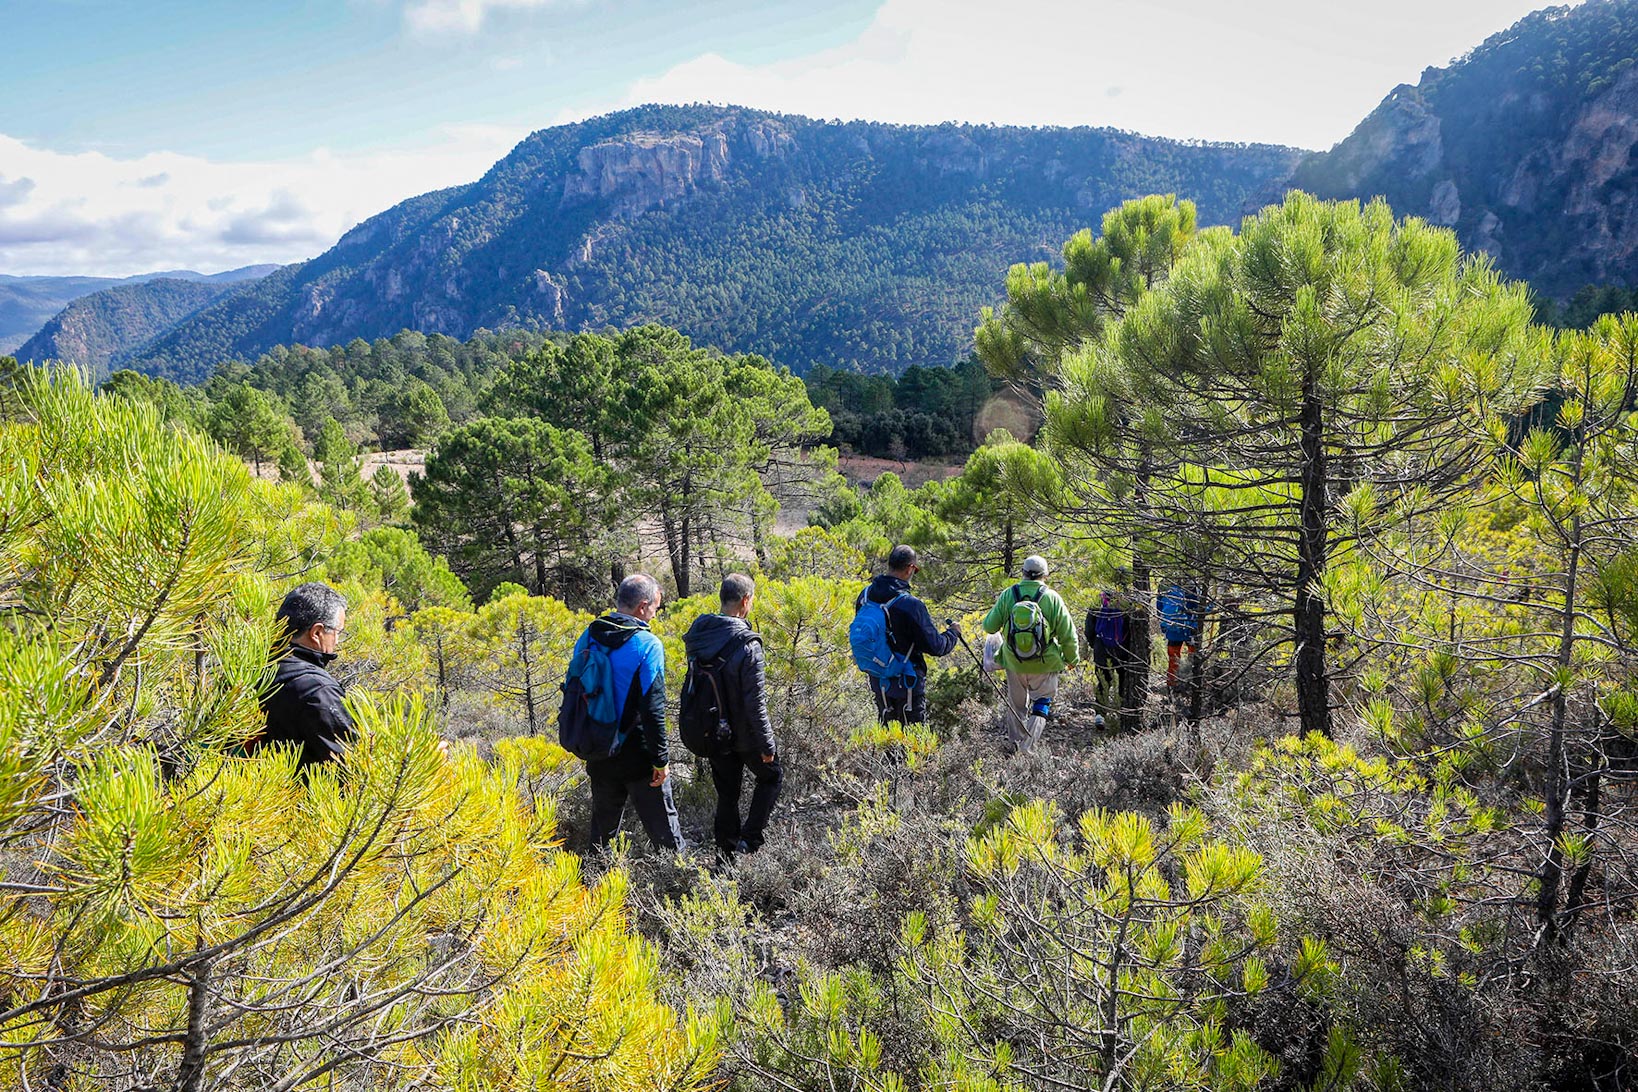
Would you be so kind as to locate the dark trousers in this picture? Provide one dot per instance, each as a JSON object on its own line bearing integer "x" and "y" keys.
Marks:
{"x": 619, "y": 779}
{"x": 728, "y": 772}
{"x": 911, "y": 708}
{"x": 1116, "y": 670}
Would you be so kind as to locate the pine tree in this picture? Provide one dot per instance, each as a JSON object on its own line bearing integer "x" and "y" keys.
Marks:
{"x": 340, "y": 482}
{"x": 1048, "y": 319}
{"x": 1324, "y": 350}
{"x": 518, "y": 498}
{"x": 247, "y": 423}
{"x": 388, "y": 495}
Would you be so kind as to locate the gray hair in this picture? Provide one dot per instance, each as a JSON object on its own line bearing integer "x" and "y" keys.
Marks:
{"x": 736, "y": 588}
{"x": 635, "y": 590}
{"x": 311, "y": 604}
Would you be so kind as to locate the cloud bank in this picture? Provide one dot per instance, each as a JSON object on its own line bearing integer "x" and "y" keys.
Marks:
{"x": 461, "y": 16}
{"x": 1277, "y": 71}
{"x": 89, "y": 213}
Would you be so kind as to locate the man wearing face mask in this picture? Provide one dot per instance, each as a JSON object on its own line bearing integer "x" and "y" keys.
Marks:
{"x": 303, "y": 706}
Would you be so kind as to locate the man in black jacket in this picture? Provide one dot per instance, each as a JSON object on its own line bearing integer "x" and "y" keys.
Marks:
{"x": 725, "y": 645}
{"x": 303, "y": 706}
{"x": 910, "y": 631}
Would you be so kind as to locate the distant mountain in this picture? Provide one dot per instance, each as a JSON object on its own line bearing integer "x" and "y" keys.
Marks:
{"x": 855, "y": 244}
{"x": 26, "y": 303}
{"x": 97, "y": 330}
{"x": 1524, "y": 146}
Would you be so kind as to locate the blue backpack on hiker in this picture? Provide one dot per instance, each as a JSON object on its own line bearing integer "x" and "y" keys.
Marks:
{"x": 588, "y": 724}
{"x": 867, "y": 634}
{"x": 1179, "y": 614}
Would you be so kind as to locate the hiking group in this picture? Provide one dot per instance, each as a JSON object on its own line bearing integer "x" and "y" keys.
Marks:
{"x": 614, "y": 713}
{"x": 1032, "y": 638}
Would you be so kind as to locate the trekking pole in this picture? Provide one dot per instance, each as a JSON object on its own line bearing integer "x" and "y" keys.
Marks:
{"x": 995, "y": 687}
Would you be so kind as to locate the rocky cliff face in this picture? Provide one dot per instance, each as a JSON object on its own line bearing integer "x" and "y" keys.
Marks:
{"x": 646, "y": 170}
{"x": 1525, "y": 148}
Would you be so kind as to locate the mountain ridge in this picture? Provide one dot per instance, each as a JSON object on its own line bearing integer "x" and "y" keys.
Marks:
{"x": 859, "y": 244}
{"x": 28, "y": 302}
{"x": 1523, "y": 146}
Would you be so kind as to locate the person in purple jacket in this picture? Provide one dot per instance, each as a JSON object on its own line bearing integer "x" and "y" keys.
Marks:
{"x": 1109, "y": 628}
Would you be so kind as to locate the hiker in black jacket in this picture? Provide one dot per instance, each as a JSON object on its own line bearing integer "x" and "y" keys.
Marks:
{"x": 910, "y": 631}
{"x": 726, "y": 639}
{"x": 303, "y": 706}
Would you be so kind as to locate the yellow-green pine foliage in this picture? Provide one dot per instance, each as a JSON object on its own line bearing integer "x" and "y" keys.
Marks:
{"x": 173, "y": 914}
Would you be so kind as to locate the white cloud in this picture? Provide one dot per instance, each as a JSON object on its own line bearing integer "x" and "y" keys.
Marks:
{"x": 90, "y": 213}
{"x": 465, "y": 16}
{"x": 1282, "y": 71}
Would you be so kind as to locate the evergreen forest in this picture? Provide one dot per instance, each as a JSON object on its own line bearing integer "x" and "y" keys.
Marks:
{"x": 1380, "y": 836}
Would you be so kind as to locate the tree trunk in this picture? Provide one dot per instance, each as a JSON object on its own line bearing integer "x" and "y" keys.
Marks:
{"x": 190, "y": 1074}
{"x": 540, "y": 563}
{"x": 1591, "y": 803}
{"x": 1143, "y": 592}
{"x": 1557, "y": 787}
{"x": 683, "y": 563}
{"x": 528, "y": 674}
{"x": 1313, "y": 681}
{"x": 440, "y": 657}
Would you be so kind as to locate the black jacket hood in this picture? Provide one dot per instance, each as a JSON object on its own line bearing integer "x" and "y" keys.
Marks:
{"x": 613, "y": 630}
{"x": 711, "y": 633}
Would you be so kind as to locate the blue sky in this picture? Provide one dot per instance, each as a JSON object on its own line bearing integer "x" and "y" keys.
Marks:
{"x": 246, "y": 80}
{"x": 138, "y": 135}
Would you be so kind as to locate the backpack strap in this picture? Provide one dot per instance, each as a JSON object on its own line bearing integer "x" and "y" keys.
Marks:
{"x": 887, "y": 617}
{"x": 1018, "y": 595}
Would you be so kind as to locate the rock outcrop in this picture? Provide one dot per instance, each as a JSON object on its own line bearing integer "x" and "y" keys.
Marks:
{"x": 647, "y": 170}
{"x": 1524, "y": 147}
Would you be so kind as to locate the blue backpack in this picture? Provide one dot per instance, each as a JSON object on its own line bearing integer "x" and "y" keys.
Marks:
{"x": 867, "y": 634}
{"x": 1179, "y": 614}
{"x": 588, "y": 724}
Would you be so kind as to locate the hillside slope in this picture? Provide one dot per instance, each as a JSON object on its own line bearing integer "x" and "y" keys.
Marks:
{"x": 855, "y": 244}
{"x": 1524, "y": 147}
{"x": 27, "y": 303}
{"x": 95, "y": 330}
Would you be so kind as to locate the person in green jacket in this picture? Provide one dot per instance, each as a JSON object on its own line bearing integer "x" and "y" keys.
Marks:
{"x": 1038, "y": 642}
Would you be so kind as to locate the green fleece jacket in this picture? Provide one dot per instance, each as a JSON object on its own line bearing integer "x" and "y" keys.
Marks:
{"x": 1063, "y": 644}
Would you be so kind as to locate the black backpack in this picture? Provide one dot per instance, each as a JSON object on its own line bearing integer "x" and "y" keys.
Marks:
{"x": 702, "y": 717}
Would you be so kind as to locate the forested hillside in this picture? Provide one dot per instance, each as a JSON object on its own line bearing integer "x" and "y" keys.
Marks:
{"x": 26, "y": 303}
{"x": 92, "y": 330}
{"x": 856, "y": 244}
{"x": 1522, "y": 146}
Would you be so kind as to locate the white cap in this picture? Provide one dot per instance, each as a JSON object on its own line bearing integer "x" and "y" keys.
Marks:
{"x": 1035, "y": 566}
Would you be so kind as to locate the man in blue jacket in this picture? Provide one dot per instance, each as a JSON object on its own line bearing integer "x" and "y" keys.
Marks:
{"x": 910, "y": 631}
{"x": 639, "y": 770}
